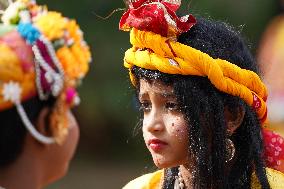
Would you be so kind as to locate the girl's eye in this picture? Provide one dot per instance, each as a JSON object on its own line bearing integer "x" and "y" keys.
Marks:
{"x": 145, "y": 106}
{"x": 172, "y": 106}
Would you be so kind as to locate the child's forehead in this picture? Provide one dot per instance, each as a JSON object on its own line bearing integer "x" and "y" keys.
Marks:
{"x": 155, "y": 87}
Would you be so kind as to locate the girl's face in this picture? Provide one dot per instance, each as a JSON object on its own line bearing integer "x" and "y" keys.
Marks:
{"x": 165, "y": 129}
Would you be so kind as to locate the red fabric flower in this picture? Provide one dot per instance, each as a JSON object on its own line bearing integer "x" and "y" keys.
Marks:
{"x": 273, "y": 150}
{"x": 157, "y": 16}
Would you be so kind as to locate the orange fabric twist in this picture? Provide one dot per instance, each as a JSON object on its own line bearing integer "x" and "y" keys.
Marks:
{"x": 175, "y": 58}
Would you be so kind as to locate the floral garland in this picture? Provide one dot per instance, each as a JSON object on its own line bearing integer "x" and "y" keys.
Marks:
{"x": 61, "y": 59}
{"x": 64, "y": 34}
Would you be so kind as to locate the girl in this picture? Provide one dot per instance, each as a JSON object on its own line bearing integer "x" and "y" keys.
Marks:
{"x": 202, "y": 100}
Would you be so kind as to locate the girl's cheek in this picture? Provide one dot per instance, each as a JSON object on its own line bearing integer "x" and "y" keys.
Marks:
{"x": 179, "y": 128}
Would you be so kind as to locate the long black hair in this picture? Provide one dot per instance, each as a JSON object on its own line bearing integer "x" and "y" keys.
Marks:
{"x": 203, "y": 106}
{"x": 13, "y": 132}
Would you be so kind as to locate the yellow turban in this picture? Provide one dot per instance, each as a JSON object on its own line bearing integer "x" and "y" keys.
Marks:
{"x": 172, "y": 57}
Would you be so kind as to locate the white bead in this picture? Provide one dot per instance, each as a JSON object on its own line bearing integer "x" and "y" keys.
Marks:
{"x": 48, "y": 77}
{"x": 80, "y": 32}
{"x": 77, "y": 100}
{"x": 55, "y": 90}
{"x": 25, "y": 16}
{"x": 12, "y": 92}
{"x": 70, "y": 42}
{"x": 56, "y": 77}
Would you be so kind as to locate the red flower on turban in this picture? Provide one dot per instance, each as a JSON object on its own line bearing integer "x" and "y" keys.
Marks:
{"x": 157, "y": 16}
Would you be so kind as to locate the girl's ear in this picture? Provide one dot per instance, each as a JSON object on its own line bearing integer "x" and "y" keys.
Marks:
{"x": 234, "y": 119}
{"x": 42, "y": 123}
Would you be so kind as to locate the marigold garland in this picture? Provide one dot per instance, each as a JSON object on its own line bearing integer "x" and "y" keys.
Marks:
{"x": 32, "y": 36}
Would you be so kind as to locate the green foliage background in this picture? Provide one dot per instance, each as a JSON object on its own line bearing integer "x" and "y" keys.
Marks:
{"x": 109, "y": 154}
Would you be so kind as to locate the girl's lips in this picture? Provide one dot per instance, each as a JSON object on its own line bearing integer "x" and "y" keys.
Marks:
{"x": 156, "y": 144}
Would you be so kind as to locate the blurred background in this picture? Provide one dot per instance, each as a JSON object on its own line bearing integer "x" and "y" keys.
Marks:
{"x": 111, "y": 152}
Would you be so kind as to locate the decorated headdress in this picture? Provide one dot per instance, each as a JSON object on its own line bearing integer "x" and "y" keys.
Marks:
{"x": 44, "y": 54}
{"x": 154, "y": 28}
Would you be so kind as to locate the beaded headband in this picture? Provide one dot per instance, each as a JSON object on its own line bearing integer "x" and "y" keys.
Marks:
{"x": 44, "y": 54}
{"x": 154, "y": 28}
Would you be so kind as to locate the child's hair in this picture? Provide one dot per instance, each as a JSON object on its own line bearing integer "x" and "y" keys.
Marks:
{"x": 13, "y": 131}
{"x": 203, "y": 106}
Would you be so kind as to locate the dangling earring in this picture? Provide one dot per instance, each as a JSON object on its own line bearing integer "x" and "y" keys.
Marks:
{"x": 58, "y": 120}
{"x": 179, "y": 182}
{"x": 230, "y": 150}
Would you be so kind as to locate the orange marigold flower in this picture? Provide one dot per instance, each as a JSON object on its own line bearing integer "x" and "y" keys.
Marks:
{"x": 74, "y": 31}
{"x": 67, "y": 60}
{"x": 74, "y": 69}
{"x": 81, "y": 53}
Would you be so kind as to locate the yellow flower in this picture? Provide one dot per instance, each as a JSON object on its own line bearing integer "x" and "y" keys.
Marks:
{"x": 52, "y": 25}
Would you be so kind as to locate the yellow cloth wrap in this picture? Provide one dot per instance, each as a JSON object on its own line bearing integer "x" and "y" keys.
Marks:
{"x": 225, "y": 76}
{"x": 154, "y": 180}
{"x": 148, "y": 181}
{"x": 10, "y": 70}
{"x": 275, "y": 179}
